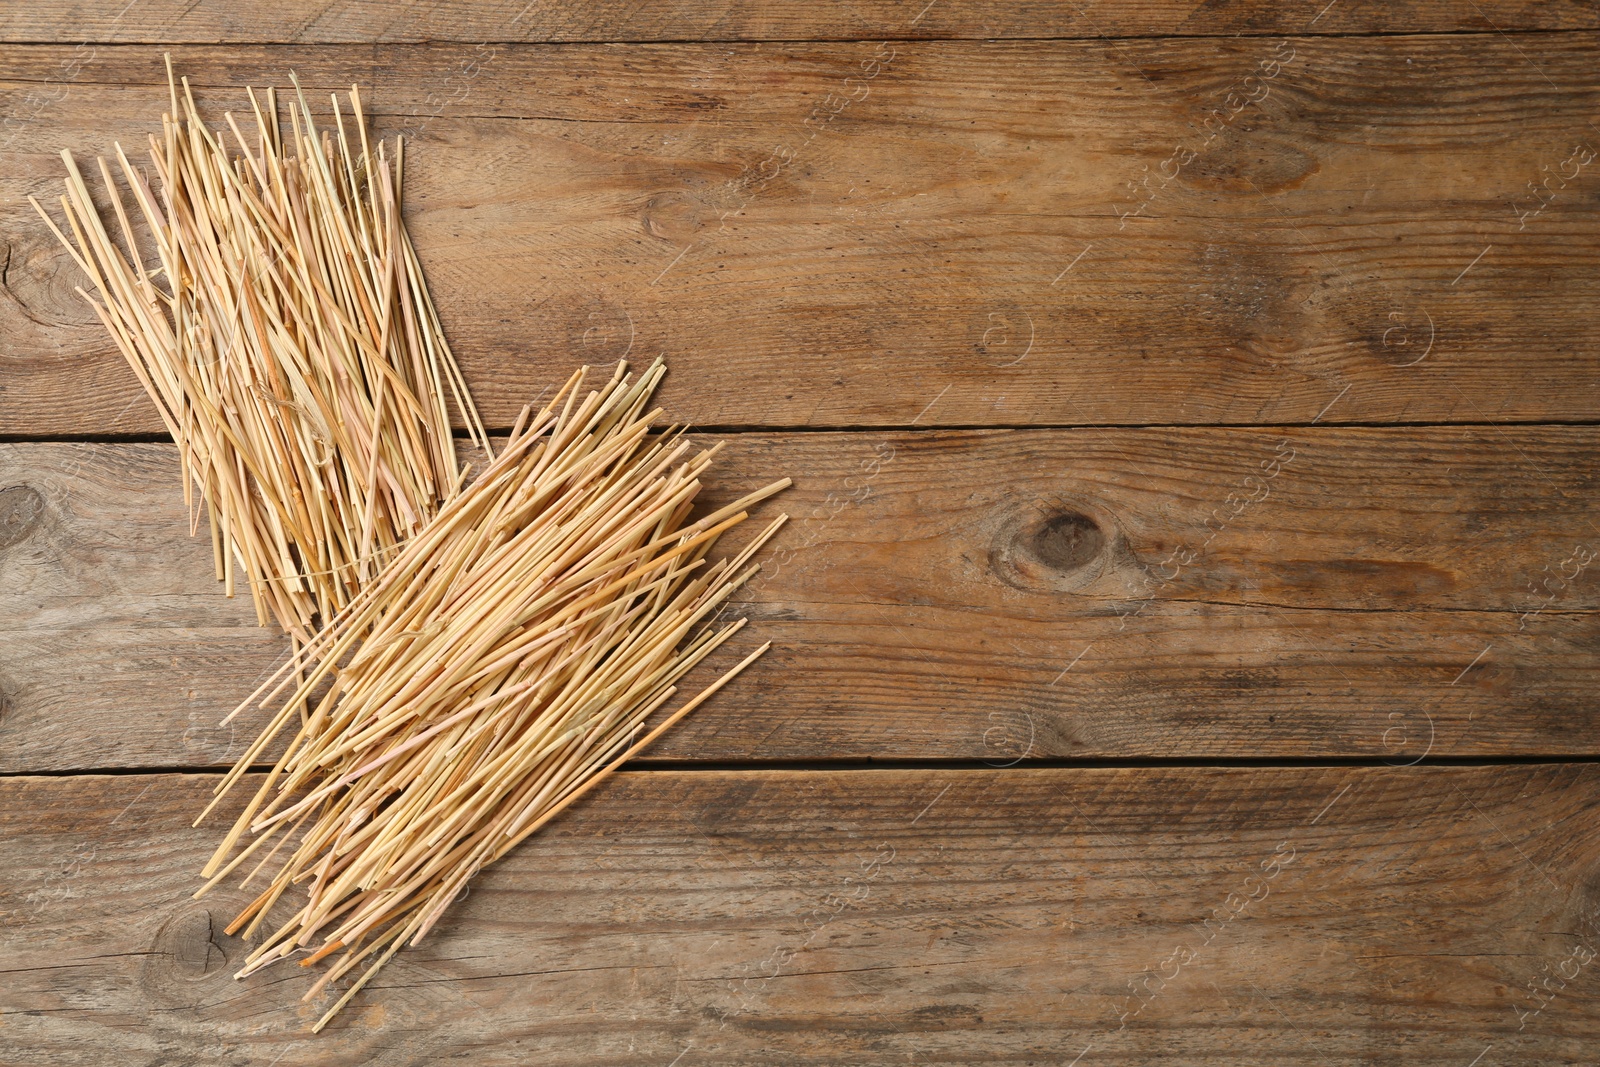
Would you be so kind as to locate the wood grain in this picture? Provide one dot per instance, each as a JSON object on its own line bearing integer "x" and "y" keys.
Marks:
{"x": 1196, "y": 593}
{"x": 313, "y": 21}
{"x": 938, "y": 244}
{"x": 1208, "y": 917}
{"x": 1184, "y": 533}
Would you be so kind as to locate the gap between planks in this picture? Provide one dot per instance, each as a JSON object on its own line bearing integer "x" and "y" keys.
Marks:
{"x": 747, "y": 428}
{"x": 671, "y": 766}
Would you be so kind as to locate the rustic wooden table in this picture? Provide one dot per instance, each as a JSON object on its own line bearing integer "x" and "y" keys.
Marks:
{"x": 1184, "y": 649}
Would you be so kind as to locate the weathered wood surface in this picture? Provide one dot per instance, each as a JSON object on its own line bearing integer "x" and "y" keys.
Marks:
{"x": 1380, "y": 593}
{"x": 825, "y": 232}
{"x": 1243, "y": 917}
{"x": 314, "y": 21}
{"x": 938, "y": 242}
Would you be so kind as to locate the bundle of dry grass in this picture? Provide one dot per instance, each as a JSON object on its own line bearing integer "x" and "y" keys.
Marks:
{"x": 501, "y": 666}
{"x": 288, "y": 341}
{"x": 469, "y": 658}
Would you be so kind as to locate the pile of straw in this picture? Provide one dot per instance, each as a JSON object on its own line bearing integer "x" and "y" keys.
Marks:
{"x": 288, "y": 340}
{"x": 502, "y": 665}
{"x": 469, "y": 657}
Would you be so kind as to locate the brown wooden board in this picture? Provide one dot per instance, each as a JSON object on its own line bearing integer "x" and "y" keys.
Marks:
{"x": 1196, "y": 916}
{"x": 313, "y": 21}
{"x": 849, "y": 234}
{"x": 1179, "y": 592}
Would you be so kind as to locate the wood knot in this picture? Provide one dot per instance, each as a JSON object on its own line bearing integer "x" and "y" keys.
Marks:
{"x": 21, "y": 508}
{"x": 186, "y": 948}
{"x": 1067, "y": 541}
{"x": 1058, "y": 546}
{"x": 40, "y": 276}
{"x": 674, "y": 216}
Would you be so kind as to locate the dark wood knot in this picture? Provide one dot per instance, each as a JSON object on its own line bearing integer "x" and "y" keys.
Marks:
{"x": 21, "y": 508}
{"x": 1067, "y": 541}
{"x": 1057, "y": 546}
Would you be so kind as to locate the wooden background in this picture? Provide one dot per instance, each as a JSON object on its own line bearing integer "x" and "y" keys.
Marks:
{"x": 1185, "y": 649}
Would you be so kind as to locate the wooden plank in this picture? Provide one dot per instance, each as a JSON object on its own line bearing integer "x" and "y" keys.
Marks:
{"x": 967, "y": 242}
{"x": 1386, "y": 593}
{"x": 1202, "y": 916}
{"x": 350, "y": 21}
